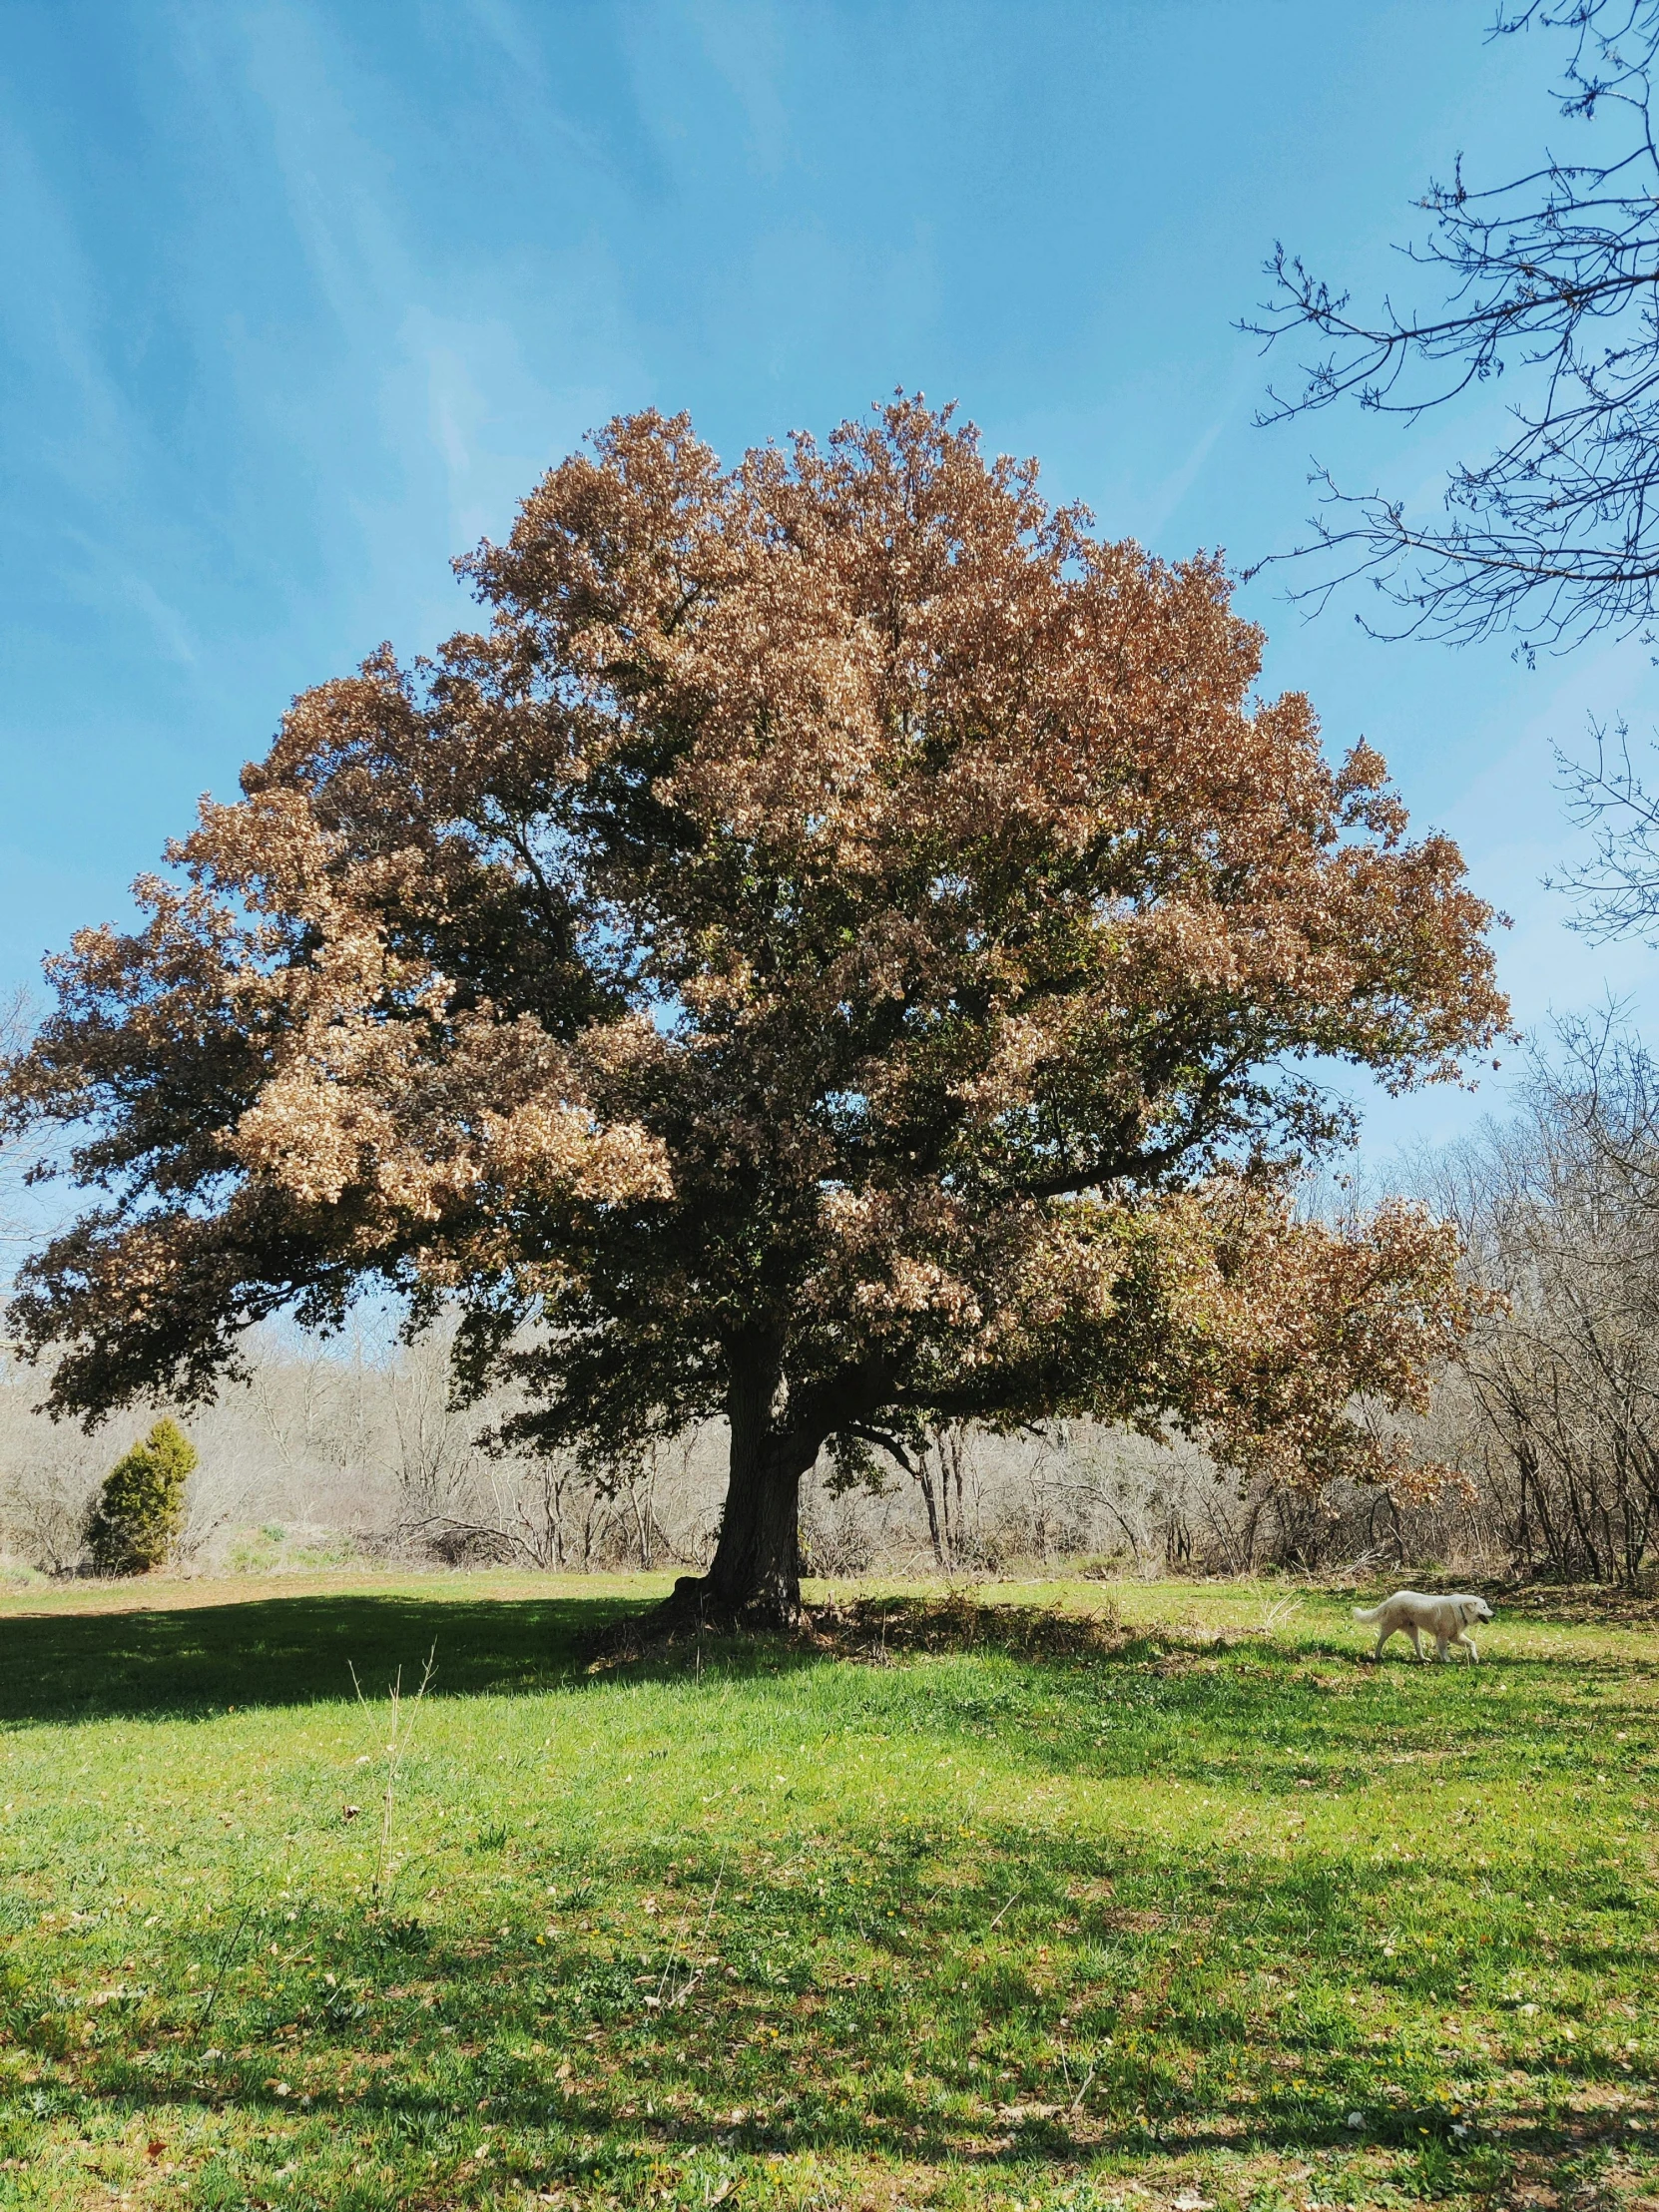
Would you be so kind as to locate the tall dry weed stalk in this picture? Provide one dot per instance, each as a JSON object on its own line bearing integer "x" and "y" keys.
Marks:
{"x": 401, "y": 1733}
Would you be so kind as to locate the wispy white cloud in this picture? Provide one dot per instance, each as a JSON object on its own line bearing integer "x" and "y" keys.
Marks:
{"x": 744, "y": 41}
{"x": 437, "y": 365}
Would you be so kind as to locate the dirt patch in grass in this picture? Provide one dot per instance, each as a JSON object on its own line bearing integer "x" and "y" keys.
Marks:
{"x": 883, "y": 1631}
{"x": 1585, "y": 1604}
{"x": 879, "y": 1629}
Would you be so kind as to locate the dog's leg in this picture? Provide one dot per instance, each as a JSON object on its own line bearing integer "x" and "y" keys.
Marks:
{"x": 1467, "y": 1643}
{"x": 1381, "y": 1639}
{"x": 1415, "y": 1634}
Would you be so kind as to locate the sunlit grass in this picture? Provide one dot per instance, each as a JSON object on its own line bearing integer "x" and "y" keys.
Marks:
{"x": 1227, "y": 1913}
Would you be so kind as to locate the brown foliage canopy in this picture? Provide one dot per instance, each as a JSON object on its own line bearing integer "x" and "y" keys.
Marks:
{"x": 847, "y": 945}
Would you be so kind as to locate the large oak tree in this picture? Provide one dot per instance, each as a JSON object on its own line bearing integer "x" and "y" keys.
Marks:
{"x": 846, "y": 950}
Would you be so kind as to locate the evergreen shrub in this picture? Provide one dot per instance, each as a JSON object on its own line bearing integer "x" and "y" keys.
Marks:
{"x": 134, "y": 1524}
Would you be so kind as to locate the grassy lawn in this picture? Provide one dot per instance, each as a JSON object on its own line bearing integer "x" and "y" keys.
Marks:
{"x": 1212, "y": 1913}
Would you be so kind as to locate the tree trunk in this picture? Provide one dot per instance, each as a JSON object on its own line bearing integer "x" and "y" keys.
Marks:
{"x": 924, "y": 1477}
{"x": 754, "y": 1580}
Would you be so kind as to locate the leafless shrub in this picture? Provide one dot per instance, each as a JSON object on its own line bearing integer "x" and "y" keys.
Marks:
{"x": 1558, "y": 1419}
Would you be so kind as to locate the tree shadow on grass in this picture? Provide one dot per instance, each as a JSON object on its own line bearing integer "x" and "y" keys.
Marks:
{"x": 937, "y": 2044}
{"x": 279, "y": 1651}
{"x": 265, "y": 1652}
{"x": 171, "y": 1661}
{"x": 516, "y": 2025}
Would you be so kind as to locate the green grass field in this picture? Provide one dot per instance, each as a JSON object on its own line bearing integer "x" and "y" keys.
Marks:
{"x": 1212, "y": 1913}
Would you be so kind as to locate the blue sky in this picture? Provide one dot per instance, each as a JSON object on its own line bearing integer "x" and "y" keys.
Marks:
{"x": 300, "y": 299}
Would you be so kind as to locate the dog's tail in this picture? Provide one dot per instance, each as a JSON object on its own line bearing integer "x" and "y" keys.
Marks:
{"x": 1361, "y": 1615}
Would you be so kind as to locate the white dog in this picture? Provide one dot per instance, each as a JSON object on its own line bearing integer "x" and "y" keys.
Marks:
{"x": 1446, "y": 1619}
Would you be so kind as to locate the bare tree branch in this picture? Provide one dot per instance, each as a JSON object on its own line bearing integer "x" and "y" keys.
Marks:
{"x": 1550, "y": 278}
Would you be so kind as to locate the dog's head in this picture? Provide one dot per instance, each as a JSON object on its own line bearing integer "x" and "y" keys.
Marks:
{"x": 1477, "y": 1609}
